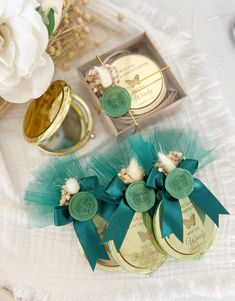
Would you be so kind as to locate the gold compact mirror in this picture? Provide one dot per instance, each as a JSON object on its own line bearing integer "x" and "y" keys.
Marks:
{"x": 104, "y": 265}
{"x": 139, "y": 253}
{"x": 198, "y": 235}
{"x": 59, "y": 122}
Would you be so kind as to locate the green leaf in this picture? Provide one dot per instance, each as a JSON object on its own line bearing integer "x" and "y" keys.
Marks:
{"x": 48, "y": 20}
{"x": 51, "y": 21}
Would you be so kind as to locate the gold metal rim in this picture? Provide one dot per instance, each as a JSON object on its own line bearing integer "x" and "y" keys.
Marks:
{"x": 88, "y": 127}
{"x": 100, "y": 266}
{"x": 65, "y": 105}
{"x": 149, "y": 225}
{"x": 164, "y": 245}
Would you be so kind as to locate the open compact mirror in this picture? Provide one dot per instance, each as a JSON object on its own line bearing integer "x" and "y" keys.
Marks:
{"x": 59, "y": 122}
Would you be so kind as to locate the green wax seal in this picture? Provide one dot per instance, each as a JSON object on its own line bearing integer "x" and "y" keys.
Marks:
{"x": 179, "y": 183}
{"x": 139, "y": 197}
{"x": 83, "y": 206}
{"x": 116, "y": 101}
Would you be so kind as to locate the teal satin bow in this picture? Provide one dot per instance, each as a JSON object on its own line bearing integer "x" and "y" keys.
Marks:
{"x": 203, "y": 200}
{"x": 122, "y": 215}
{"x": 86, "y": 230}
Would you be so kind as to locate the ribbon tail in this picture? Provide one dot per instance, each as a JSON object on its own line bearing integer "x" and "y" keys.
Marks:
{"x": 172, "y": 221}
{"x": 119, "y": 225}
{"x": 207, "y": 202}
{"x": 90, "y": 241}
{"x": 62, "y": 216}
{"x": 106, "y": 210}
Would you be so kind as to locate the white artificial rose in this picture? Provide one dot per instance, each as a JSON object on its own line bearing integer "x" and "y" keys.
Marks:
{"x": 26, "y": 70}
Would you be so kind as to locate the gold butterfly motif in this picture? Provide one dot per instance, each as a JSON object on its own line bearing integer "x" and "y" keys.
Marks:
{"x": 133, "y": 82}
{"x": 190, "y": 222}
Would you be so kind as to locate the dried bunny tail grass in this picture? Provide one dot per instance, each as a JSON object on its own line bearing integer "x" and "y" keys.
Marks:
{"x": 68, "y": 39}
{"x": 167, "y": 163}
{"x": 134, "y": 172}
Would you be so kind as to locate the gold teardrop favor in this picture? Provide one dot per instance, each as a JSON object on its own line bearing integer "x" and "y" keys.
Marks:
{"x": 104, "y": 265}
{"x": 198, "y": 234}
{"x": 139, "y": 252}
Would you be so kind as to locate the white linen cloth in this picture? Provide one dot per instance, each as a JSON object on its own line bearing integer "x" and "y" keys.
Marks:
{"x": 45, "y": 264}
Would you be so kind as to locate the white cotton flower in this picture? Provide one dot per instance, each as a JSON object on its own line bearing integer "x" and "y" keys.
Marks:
{"x": 26, "y": 70}
{"x": 72, "y": 186}
{"x": 104, "y": 76}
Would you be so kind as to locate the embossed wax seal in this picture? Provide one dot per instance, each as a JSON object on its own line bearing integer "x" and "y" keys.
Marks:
{"x": 179, "y": 183}
{"x": 83, "y": 206}
{"x": 198, "y": 232}
{"x": 139, "y": 197}
{"x": 138, "y": 253}
{"x": 116, "y": 101}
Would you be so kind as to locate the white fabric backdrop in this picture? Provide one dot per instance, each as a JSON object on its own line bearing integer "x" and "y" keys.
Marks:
{"x": 44, "y": 264}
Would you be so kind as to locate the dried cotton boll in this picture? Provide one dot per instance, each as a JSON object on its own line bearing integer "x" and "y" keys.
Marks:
{"x": 104, "y": 76}
{"x": 72, "y": 186}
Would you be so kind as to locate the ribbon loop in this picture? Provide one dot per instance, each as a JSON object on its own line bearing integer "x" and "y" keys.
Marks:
{"x": 62, "y": 216}
{"x": 189, "y": 164}
{"x": 89, "y": 183}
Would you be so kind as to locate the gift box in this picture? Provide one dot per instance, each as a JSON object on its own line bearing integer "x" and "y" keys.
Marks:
{"x": 144, "y": 46}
